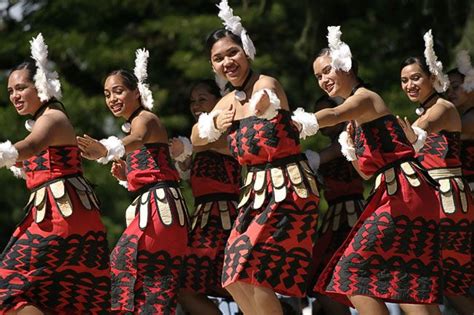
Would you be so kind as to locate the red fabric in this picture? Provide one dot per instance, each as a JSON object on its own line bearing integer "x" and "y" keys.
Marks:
{"x": 146, "y": 263}
{"x": 392, "y": 253}
{"x": 61, "y": 264}
{"x": 254, "y": 140}
{"x": 340, "y": 179}
{"x": 442, "y": 150}
{"x": 150, "y": 164}
{"x": 212, "y": 173}
{"x": 278, "y": 236}
{"x": 52, "y": 163}
{"x": 467, "y": 158}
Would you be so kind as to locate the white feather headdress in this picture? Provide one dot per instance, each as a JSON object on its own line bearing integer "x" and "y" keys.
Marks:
{"x": 141, "y": 73}
{"x": 232, "y": 23}
{"x": 441, "y": 83}
{"x": 341, "y": 56}
{"x": 464, "y": 65}
{"x": 46, "y": 81}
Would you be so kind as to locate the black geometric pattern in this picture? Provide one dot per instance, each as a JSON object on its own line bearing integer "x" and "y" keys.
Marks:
{"x": 215, "y": 166}
{"x": 143, "y": 282}
{"x": 339, "y": 169}
{"x": 467, "y": 157}
{"x": 443, "y": 145}
{"x": 60, "y": 157}
{"x": 152, "y": 156}
{"x": 46, "y": 272}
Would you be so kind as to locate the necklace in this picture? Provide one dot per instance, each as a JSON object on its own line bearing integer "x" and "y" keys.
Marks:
{"x": 421, "y": 109}
{"x": 127, "y": 126}
{"x": 29, "y": 123}
{"x": 240, "y": 94}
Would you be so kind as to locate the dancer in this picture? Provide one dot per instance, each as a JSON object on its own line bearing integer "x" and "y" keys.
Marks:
{"x": 269, "y": 248}
{"x": 436, "y": 137}
{"x": 392, "y": 252}
{"x": 343, "y": 189}
{"x": 215, "y": 183}
{"x": 147, "y": 259}
{"x": 461, "y": 94}
{"x": 56, "y": 262}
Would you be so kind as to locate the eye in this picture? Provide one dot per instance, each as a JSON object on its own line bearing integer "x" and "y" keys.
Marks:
{"x": 319, "y": 77}
{"x": 217, "y": 59}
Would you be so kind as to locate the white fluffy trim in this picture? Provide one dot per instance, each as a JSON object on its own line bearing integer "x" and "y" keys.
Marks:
{"x": 123, "y": 183}
{"x": 115, "y": 149}
{"x": 184, "y": 175}
{"x": 420, "y": 141}
{"x": 18, "y": 172}
{"x": 464, "y": 65}
{"x": 8, "y": 154}
{"x": 272, "y": 110}
{"x": 187, "y": 151}
{"x": 307, "y": 121}
{"x": 347, "y": 147}
{"x": 314, "y": 160}
{"x": 207, "y": 128}
{"x": 441, "y": 83}
{"x": 341, "y": 56}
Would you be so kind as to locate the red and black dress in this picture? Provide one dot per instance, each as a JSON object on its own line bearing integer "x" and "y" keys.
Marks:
{"x": 343, "y": 189}
{"x": 215, "y": 182}
{"x": 272, "y": 239}
{"x": 467, "y": 158}
{"x": 441, "y": 157}
{"x": 58, "y": 257}
{"x": 147, "y": 260}
{"x": 392, "y": 253}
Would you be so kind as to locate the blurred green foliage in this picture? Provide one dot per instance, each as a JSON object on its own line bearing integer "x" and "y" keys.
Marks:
{"x": 87, "y": 39}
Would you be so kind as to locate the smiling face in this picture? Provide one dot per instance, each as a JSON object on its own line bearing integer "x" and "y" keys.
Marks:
{"x": 456, "y": 94}
{"x": 202, "y": 100}
{"x": 416, "y": 84}
{"x": 23, "y": 93}
{"x": 228, "y": 60}
{"x": 333, "y": 82}
{"x": 121, "y": 100}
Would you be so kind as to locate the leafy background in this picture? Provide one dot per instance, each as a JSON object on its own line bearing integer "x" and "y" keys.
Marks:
{"x": 89, "y": 38}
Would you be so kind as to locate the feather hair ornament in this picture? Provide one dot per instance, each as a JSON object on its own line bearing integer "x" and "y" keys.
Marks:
{"x": 232, "y": 23}
{"x": 441, "y": 83}
{"x": 463, "y": 62}
{"x": 140, "y": 71}
{"x": 46, "y": 81}
{"x": 341, "y": 56}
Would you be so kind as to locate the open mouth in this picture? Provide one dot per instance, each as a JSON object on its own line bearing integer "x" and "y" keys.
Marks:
{"x": 116, "y": 108}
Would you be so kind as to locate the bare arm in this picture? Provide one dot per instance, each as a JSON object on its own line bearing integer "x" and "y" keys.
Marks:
{"x": 443, "y": 116}
{"x": 354, "y": 108}
{"x": 362, "y": 174}
{"x": 52, "y": 128}
{"x": 219, "y": 146}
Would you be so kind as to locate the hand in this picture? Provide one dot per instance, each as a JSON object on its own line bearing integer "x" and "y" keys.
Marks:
{"x": 350, "y": 131}
{"x": 406, "y": 126}
{"x": 118, "y": 170}
{"x": 225, "y": 118}
{"x": 91, "y": 148}
{"x": 262, "y": 104}
{"x": 176, "y": 147}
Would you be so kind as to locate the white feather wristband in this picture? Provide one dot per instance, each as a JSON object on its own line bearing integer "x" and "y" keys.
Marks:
{"x": 347, "y": 147}
{"x": 187, "y": 149}
{"x": 420, "y": 141}
{"x": 272, "y": 110}
{"x": 307, "y": 122}
{"x": 8, "y": 154}
{"x": 115, "y": 149}
{"x": 207, "y": 128}
{"x": 183, "y": 174}
{"x": 123, "y": 183}
{"x": 18, "y": 172}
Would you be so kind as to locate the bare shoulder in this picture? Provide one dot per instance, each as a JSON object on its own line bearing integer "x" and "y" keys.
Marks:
{"x": 447, "y": 105}
{"x": 265, "y": 81}
{"x": 225, "y": 101}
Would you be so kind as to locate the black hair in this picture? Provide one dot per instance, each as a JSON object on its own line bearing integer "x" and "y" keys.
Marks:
{"x": 128, "y": 78}
{"x": 219, "y": 34}
{"x": 419, "y": 61}
{"x": 355, "y": 63}
{"x": 456, "y": 71}
{"x": 210, "y": 85}
{"x": 29, "y": 65}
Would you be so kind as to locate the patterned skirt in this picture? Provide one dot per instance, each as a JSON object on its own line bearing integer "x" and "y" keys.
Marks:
{"x": 336, "y": 223}
{"x": 273, "y": 237}
{"x": 57, "y": 258}
{"x": 147, "y": 261}
{"x": 457, "y": 228}
{"x": 393, "y": 252}
{"x": 211, "y": 225}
